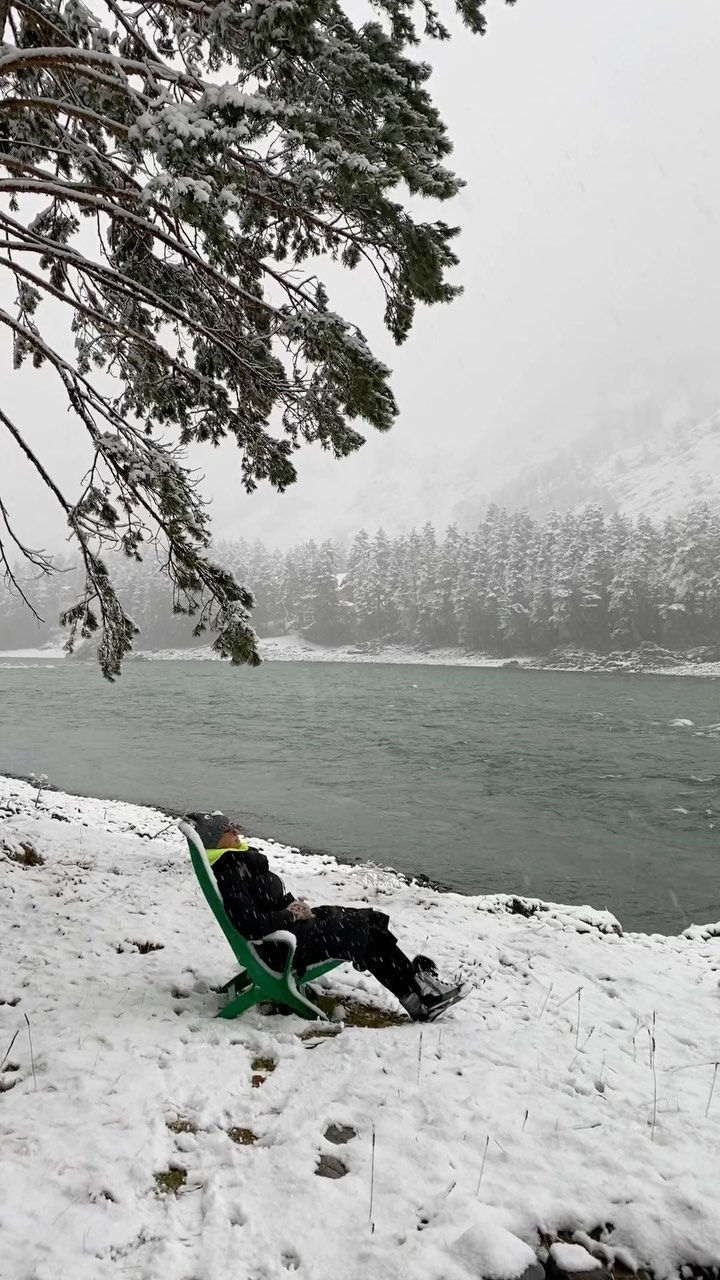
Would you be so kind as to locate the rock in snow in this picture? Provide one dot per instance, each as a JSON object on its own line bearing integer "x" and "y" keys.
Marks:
{"x": 492, "y": 1252}
{"x": 572, "y": 1259}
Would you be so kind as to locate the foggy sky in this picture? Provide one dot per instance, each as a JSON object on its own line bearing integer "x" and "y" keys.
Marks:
{"x": 588, "y": 135}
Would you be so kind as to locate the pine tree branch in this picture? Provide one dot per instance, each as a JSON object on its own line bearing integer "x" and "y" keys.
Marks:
{"x": 112, "y": 327}
{"x": 83, "y": 188}
{"x": 19, "y": 60}
{"x": 82, "y": 156}
{"x": 14, "y": 63}
{"x": 177, "y": 217}
{"x": 133, "y": 29}
{"x": 111, "y": 615}
{"x": 29, "y": 454}
{"x": 82, "y": 394}
{"x": 56, "y": 106}
{"x": 123, "y": 285}
{"x": 95, "y": 199}
{"x": 40, "y": 20}
{"x": 35, "y": 558}
{"x": 197, "y": 7}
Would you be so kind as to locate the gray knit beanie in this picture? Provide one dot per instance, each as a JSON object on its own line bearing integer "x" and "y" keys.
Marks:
{"x": 210, "y": 827}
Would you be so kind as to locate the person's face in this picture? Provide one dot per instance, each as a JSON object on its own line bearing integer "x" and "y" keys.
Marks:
{"x": 230, "y": 839}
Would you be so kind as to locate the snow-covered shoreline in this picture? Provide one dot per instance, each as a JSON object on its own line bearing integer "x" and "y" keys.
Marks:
{"x": 295, "y": 649}
{"x": 572, "y": 1089}
{"x": 286, "y": 649}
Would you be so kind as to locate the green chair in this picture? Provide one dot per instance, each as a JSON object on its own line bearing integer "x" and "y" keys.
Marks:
{"x": 256, "y": 981}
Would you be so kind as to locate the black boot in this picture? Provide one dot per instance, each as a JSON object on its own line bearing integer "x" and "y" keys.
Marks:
{"x": 437, "y": 996}
{"x": 413, "y": 1005}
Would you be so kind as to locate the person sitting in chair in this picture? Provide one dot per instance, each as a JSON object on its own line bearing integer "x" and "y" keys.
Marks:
{"x": 257, "y": 903}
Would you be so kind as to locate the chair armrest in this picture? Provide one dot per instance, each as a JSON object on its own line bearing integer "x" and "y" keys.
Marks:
{"x": 290, "y": 941}
{"x": 282, "y": 935}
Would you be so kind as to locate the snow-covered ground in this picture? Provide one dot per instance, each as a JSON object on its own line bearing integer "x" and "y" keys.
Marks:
{"x": 25, "y": 654}
{"x": 287, "y": 649}
{"x": 293, "y": 648}
{"x": 25, "y": 658}
{"x": 707, "y": 669}
{"x": 572, "y": 1089}
{"x": 710, "y": 670}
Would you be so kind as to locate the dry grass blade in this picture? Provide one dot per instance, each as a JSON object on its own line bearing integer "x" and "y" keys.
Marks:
{"x": 9, "y": 1049}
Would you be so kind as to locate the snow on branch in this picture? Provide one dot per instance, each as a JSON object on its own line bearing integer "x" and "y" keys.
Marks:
{"x": 168, "y": 175}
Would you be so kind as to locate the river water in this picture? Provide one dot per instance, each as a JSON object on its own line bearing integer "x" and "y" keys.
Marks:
{"x": 573, "y": 788}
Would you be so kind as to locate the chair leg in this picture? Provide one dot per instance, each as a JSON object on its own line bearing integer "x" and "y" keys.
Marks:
{"x": 315, "y": 971}
{"x": 236, "y": 984}
{"x": 241, "y": 1003}
{"x": 302, "y": 1004}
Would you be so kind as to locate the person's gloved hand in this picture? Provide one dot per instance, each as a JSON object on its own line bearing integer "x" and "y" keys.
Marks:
{"x": 300, "y": 910}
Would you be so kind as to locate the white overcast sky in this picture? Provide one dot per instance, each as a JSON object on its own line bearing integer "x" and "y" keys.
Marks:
{"x": 587, "y": 132}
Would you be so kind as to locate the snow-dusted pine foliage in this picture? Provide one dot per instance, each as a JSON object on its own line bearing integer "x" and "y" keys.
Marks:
{"x": 168, "y": 172}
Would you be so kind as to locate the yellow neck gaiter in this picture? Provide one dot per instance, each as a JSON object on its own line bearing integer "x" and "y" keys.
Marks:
{"x": 214, "y": 854}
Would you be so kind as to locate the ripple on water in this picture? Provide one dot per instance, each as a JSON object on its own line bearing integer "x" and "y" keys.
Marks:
{"x": 28, "y": 666}
{"x": 709, "y": 731}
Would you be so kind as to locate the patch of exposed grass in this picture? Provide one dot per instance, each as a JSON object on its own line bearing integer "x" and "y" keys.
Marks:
{"x": 320, "y": 1031}
{"x": 261, "y": 1069}
{"x": 170, "y": 1181}
{"x": 355, "y": 1015}
{"x": 142, "y": 947}
{"x": 263, "y": 1064}
{"x": 243, "y": 1137}
{"x": 24, "y": 853}
{"x": 359, "y": 1015}
{"x": 366, "y": 1015}
{"x": 181, "y": 1125}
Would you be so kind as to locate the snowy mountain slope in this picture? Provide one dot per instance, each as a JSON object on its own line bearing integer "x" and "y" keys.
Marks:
{"x": 538, "y": 1103}
{"x": 391, "y": 484}
{"x": 663, "y": 477}
{"x": 659, "y": 476}
{"x": 651, "y": 469}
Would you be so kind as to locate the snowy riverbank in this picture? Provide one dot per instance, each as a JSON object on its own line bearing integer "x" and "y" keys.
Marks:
{"x": 538, "y": 1105}
{"x": 647, "y": 660}
{"x": 289, "y": 649}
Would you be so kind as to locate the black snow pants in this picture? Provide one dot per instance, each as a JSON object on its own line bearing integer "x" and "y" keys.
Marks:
{"x": 358, "y": 935}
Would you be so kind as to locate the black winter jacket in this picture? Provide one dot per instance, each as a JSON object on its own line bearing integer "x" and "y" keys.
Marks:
{"x": 253, "y": 896}
{"x": 257, "y": 904}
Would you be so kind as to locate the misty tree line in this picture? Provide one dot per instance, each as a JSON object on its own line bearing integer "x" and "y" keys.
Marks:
{"x": 514, "y": 584}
